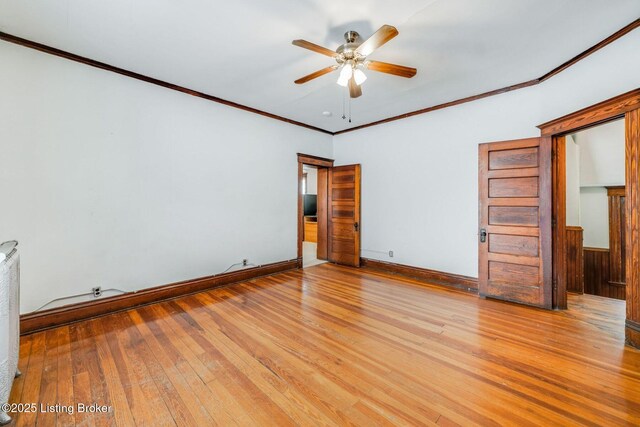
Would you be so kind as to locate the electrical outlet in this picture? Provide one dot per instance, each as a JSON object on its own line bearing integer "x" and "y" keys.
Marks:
{"x": 390, "y": 254}
{"x": 245, "y": 262}
{"x": 97, "y": 291}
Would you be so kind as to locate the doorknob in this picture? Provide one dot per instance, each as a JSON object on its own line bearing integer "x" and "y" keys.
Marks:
{"x": 356, "y": 226}
{"x": 483, "y": 235}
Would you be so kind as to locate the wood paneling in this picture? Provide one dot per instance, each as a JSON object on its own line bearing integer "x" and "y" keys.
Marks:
{"x": 596, "y": 275}
{"x": 575, "y": 261}
{"x": 332, "y": 345}
{"x": 515, "y": 189}
{"x": 632, "y": 126}
{"x": 432, "y": 277}
{"x": 513, "y": 159}
{"x": 513, "y": 215}
{"x": 344, "y": 215}
{"x": 617, "y": 233}
{"x": 54, "y": 317}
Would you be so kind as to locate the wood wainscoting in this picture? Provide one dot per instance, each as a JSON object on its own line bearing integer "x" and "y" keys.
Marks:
{"x": 597, "y": 270}
{"x": 58, "y": 316}
{"x": 575, "y": 263}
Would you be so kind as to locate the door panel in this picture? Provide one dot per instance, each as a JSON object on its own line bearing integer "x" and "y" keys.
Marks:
{"x": 344, "y": 215}
{"x": 515, "y": 221}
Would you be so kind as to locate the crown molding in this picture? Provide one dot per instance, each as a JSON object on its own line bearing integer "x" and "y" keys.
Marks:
{"x": 87, "y": 61}
{"x": 97, "y": 64}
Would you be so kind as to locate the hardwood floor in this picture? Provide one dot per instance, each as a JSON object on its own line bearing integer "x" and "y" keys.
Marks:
{"x": 332, "y": 345}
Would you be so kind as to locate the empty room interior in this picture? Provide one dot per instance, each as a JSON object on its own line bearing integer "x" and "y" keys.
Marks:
{"x": 419, "y": 212}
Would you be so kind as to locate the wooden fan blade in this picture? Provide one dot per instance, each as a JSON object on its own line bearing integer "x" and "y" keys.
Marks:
{"x": 380, "y": 37}
{"x": 314, "y": 47}
{"x": 315, "y": 75}
{"x": 354, "y": 90}
{"x": 396, "y": 70}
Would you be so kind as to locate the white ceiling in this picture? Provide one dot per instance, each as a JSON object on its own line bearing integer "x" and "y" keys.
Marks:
{"x": 241, "y": 50}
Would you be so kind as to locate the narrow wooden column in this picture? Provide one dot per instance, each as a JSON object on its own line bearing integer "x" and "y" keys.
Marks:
{"x": 617, "y": 232}
{"x": 632, "y": 125}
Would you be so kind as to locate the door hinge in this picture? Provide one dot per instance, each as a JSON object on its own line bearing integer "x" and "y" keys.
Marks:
{"x": 554, "y": 222}
{"x": 555, "y": 285}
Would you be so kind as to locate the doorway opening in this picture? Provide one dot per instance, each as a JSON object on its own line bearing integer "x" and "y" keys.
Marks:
{"x": 336, "y": 223}
{"x": 595, "y": 211}
{"x": 310, "y": 254}
{"x": 313, "y": 182}
{"x": 627, "y": 108}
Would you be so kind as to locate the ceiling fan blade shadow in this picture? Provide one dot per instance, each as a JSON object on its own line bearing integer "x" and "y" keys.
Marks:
{"x": 379, "y": 38}
{"x": 314, "y": 47}
{"x": 396, "y": 70}
{"x": 355, "y": 90}
{"x": 315, "y": 74}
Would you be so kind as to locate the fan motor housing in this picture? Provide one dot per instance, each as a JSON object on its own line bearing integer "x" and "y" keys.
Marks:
{"x": 347, "y": 50}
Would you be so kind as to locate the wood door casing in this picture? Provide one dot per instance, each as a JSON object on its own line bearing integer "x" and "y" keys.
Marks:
{"x": 344, "y": 215}
{"x": 515, "y": 211}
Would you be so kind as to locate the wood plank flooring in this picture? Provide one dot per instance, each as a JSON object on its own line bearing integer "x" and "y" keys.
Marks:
{"x": 332, "y": 345}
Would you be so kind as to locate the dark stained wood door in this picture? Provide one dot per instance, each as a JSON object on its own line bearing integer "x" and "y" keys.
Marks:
{"x": 515, "y": 221}
{"x": 344, "y": 215}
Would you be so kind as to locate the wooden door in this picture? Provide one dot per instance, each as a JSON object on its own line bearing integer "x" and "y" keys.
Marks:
{"x": 515, "y": 221}
{"x": 344, "y": 215}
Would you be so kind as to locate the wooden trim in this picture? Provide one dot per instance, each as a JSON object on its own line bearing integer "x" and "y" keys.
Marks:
{"x": 465, "y": 283}
{"x": 613, "y": 37}
{"x": 611, "y": 109}
{"x": 320, "y": 162}
{"x": 441, "y": 106}
{"x": 632, "y": 333}
{"x": 632, "y": 220}
{"x": 616, "y": 191}
{"x": 559, "y": 221}
{"x": 589, "y": 248}
{"x": 103, "y": 66}
{"x": 310, "y": 160}
{"x": 46, "y": 319}
{"x": 77, "y": 58}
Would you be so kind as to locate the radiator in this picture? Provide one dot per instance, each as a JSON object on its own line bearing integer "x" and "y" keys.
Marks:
{"x": 9, "y": 321}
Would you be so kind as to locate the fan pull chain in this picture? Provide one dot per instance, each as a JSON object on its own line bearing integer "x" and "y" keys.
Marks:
{"x": 344, "y": 102}
{"x": 349, "y": 109}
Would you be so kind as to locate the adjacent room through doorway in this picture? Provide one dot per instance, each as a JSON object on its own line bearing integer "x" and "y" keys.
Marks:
{"x": 595, "y": 219}
{"x": 310, "y": 217}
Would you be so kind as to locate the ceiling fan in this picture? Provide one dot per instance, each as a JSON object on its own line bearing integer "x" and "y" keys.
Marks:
{"x": 351, "y": 58}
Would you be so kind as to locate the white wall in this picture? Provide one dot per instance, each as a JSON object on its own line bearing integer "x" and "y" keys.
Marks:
{"x": 595, "y": 216}
{"x": 312, "y": 180}
{"x": 602, "y": 154}
{"x": 601, "y": 164}
{"x": 109, "y": 181}
{"x": 573, "y": 181}
{"x": 419, "y": 175}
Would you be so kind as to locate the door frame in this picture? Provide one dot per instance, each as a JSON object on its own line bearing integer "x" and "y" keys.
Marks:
{"x": 320, "y": 163}
{"x": 626, "y": 106}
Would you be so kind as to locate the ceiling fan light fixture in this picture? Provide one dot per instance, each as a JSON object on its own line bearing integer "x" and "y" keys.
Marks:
{"x": 345, "y": 75}
{"x": 359, "y": 76}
